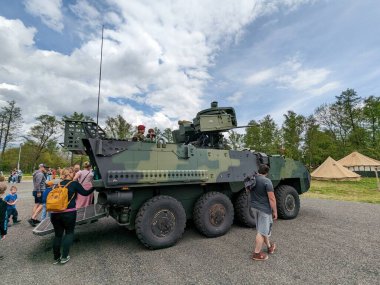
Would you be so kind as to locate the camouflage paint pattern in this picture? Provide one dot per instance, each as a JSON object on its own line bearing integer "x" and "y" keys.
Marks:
{"x": 137, "y": 164}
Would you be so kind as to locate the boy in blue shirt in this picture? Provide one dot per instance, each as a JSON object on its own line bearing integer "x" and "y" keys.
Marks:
{"x": 11, "y": 200}
{"x": 49, "y": 186}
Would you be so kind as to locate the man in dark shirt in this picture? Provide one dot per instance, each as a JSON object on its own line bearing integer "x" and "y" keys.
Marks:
{"x": 39, "y": 186}
{"x": 263, "y": 208}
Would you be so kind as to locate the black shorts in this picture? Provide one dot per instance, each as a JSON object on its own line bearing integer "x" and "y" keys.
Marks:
{"x": 38, "y": 197}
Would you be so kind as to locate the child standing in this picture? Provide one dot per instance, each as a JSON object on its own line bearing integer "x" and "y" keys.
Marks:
{"x": 49, "y": 187}
{"x": 11, "y": 200}
{"x": 3, "y": 211}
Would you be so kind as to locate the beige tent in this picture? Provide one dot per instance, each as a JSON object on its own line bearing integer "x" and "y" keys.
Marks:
{"x": 359, "y": 162}
{"x": 332, "y": 170}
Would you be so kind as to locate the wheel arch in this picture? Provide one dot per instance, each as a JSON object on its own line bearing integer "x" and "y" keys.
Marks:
{"x": 293, "y": 182}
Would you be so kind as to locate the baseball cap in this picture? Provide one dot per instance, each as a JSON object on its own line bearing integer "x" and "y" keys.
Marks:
{"x": 43, "y": 165}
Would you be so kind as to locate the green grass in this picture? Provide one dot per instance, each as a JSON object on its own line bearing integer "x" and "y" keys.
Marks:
{"x": 364, "y": 190}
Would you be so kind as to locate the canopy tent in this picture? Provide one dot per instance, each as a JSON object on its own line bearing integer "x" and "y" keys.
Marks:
{"x": 356, "y": 160}
{"x": 359, "y": 163}
{"x": 332, "y": 170}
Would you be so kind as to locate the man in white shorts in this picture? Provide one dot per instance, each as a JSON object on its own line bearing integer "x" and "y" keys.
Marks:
{"x": 263, "y": 208}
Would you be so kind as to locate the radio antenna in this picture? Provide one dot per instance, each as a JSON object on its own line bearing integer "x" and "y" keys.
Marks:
{"x": 100, "y": 79}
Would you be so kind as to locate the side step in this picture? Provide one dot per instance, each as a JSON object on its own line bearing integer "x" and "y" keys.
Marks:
{"x": 84, "y": 216}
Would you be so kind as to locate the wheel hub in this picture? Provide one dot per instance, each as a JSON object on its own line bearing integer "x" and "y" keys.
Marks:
{"x": 163, "y": 223}
{"x": 290, "y": 203}
{"x": 217, "y": 214}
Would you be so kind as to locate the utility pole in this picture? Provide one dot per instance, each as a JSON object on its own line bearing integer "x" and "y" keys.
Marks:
{"x": 19, "y": 156}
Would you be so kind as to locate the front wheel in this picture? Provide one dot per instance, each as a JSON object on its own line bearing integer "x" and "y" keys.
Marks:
{"x": 288, "y": 202}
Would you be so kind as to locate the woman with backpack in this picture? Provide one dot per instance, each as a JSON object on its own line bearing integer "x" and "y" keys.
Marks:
{"x": 85, "y": 178}
{"x": 64, "y": 221}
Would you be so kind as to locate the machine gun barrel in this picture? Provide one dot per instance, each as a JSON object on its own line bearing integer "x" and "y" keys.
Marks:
{"x": 239, "y": 127}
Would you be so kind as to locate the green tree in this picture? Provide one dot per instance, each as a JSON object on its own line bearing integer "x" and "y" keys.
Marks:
{"x": 263, "y": 136}
{"x": 3, "y": 119}
{"x": 118, "y": 128}
{"x": 352, "y": 123}
{"x": 318, "y": 145}
{"x": 168, "y": 135}
{"x": 371, "y": 113}
{"x": 292, "y": 130}
{"x": 10, "y": 121}
{"x": 158, "y": 132}
{"x": 347, "y": 105}
{"x": 331, "y": 120}
{"x": 235, "y": 140}
{"x": 270, "y": 135}
{"x": 252, "y": 139}
{"x": 53, "y": 158}
{"x": 45, "y": 132}
{"x": 78, "y": 117}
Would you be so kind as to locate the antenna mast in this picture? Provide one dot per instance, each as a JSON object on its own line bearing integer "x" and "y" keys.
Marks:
{"x": 100, "y": 79}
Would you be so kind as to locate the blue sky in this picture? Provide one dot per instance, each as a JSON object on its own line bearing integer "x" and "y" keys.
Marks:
{"x": 164, "y": 62}
{"x": 338, "y": 36}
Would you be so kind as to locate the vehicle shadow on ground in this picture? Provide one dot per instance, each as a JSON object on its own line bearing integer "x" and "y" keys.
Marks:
{"x": 89, "y": 236}
{"x": 102, "y": 235}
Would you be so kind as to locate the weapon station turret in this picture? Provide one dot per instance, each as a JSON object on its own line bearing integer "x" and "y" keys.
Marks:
{"x": 207, "y": 127}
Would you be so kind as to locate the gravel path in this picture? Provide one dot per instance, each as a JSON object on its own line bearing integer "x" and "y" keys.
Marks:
{"x": 330, "y": 242}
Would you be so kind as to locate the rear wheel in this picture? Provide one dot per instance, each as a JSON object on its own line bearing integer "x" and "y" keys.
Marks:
{"x": 160, "y": 222}
{"x": 288, "y": 202}
{"x": 213, "y": 214}
{"x": 243, "y": 211}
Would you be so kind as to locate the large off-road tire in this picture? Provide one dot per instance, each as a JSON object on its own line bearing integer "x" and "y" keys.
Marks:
{"x": 288, "y": 202}
{"x": 243, "y": 210}
{"x": 213, "y": 214}
{"x": 160, "y": 222}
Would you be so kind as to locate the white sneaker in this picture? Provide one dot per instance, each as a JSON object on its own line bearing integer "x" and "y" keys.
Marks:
{"x": 57, "y": 261}
{"x": 65, "y": 260}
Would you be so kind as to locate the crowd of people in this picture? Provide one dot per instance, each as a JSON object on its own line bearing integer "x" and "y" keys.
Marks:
{"x": 15, "y": 176}
{"x": 78, "y": 184}
{"x": 79, "y": 187}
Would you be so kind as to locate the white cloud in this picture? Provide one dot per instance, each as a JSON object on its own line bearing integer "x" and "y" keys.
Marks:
{"x": 11, "y": 87}
{"x": 299, "y": 82}
{"x": 48, "y": 10}
{"x": 293, "y": 75}
{"x": 313, "y": 81}
{"x": 260, "y": 77}
{"x": 328, "y": 87}
{"x": 235, "y": 98}
{"x": 84, "y": 10}
{"x": 303, "y": 79}
{"x": 156, "y": 54}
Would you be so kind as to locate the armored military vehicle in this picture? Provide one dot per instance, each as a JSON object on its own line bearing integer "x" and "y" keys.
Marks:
{"x": 155, "y": 187}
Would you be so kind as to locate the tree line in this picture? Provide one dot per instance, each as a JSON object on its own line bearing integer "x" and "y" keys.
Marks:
{"x": 41, "y": 144}
{"x": 350, "y": 123}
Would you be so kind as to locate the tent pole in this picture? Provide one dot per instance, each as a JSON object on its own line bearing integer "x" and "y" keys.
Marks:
{"x": 377, "y": 178}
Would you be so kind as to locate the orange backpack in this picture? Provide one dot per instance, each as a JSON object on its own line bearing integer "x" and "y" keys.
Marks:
{"x": 58, "y": 198}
